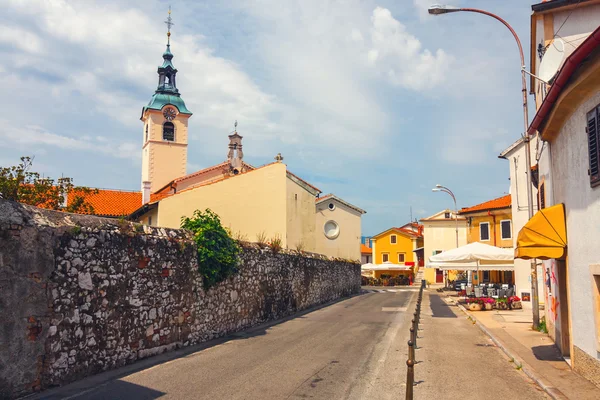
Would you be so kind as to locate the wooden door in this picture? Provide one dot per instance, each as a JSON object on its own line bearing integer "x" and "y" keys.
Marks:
{"x": 439, "y": 276}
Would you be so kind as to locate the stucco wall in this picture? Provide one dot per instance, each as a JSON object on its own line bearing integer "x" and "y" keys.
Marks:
{"x": 248, "y": 204}
{"x": 404, "y": 244}
{"x": 494, "y": 228}
{"x": 570, "y": 184}
{"x": 347, "y": 244}
{"x": 164, "y": 161}
{"x": 83, "y": 294}
{"x": 575, "y": 26}
{"x": 300, "y": 217}
{"x": 441, "y": 235}
{"x": 520, "y": 216}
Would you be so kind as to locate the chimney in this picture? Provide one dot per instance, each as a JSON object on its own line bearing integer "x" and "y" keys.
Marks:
{"x": 145, "y": 192}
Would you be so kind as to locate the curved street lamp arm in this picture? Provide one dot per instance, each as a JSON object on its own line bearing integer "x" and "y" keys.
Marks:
{"x": 476, "y": 10}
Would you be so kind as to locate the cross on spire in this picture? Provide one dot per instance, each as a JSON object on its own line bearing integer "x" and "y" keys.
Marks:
{"x": 235, "y": 126}
{"x": 169, "y": 23}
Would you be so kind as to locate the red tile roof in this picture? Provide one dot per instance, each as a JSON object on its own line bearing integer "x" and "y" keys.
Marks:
{"x": 365, "y": 250}
{"x": 113, "y": 203}
{"x": 117, "y": 203}
{"x": 500, "y": 202}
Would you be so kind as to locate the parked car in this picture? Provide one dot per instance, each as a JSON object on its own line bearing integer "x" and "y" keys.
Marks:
{"x": 457, "y": 284}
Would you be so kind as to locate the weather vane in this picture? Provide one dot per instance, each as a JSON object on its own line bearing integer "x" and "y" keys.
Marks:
{"x": 169, "y": 23}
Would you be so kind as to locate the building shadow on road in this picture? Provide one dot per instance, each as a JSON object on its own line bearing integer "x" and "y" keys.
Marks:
{"x": 547, "y": 353}
{"x": 439, "y": 308}
{"x": 123, "y": 390}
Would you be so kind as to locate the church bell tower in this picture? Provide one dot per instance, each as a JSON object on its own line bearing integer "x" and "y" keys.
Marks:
{"x": 165, "y": 130}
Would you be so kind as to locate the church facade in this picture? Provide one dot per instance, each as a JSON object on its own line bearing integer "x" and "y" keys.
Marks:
{"x": 267, "y": 201}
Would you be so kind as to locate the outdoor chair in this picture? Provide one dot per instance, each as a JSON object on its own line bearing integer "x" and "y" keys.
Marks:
{"x": 510, "y": 292}
{"x": 492, "y": 293}
{"x": 470, "y": 291}
{"x": 478, "y": 292}
{"x": 502, "y": 293}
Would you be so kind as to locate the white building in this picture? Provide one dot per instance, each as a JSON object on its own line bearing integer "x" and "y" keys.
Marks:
{"x": 566, "y": 121}
{"x": 515, "y": 154}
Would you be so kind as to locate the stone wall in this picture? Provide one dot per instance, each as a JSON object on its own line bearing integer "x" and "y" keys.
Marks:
{"x": 81, "y": 294}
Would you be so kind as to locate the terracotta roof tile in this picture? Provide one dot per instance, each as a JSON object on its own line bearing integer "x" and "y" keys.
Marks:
{"x": 500, "y": 202}
{"x": 114, "y": 203}
{"x": 365, "y": 250}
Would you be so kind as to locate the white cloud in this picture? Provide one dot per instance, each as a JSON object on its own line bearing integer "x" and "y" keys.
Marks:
{"x": 31, "y": 137}
{"x": 17, "y": 36}
{"x": 399, "y": 54}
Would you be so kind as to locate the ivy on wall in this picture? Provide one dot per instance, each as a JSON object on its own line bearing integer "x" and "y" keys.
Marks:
{"x": 218, "y": 252}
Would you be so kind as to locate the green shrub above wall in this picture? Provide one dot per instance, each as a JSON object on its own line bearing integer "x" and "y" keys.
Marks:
{"x": 218, "y": 252}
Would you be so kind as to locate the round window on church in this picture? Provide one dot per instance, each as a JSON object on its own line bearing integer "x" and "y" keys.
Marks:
{"x": 331, "y": 206}
{"x": 331, "y": 229}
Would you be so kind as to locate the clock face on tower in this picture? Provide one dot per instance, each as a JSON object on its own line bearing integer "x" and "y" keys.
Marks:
{"x": 169, "y": 114}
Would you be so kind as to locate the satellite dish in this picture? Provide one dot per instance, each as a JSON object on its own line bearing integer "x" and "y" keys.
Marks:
{"x": 552, "y": 60}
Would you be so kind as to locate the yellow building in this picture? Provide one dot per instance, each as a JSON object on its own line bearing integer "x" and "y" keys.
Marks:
{"x": 398, "y": 246}
{"x": 441, "y": 232}
{"x": 255, "y": 203}
{"x": 491, "y": 223}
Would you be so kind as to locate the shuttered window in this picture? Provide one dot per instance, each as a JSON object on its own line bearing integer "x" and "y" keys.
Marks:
{"x": 542, "y": 196}
{"x": 593, "y": 142}
{"x": 506, "y": 229}
{"x": 484, "y": 231}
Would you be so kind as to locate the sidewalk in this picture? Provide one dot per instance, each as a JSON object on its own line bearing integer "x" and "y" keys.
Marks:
{"x": 456, "y": 360}
{"x": 539, "y": 356}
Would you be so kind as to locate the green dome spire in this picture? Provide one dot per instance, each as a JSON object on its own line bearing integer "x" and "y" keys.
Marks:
{"x": 167, "y": 92}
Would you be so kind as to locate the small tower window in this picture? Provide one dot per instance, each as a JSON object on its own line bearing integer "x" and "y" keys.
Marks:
{"x": 146, "y": 132}
{"x": 169, "y": 131}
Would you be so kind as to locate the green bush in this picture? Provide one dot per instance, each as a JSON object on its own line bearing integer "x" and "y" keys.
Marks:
{"x": 218, "y": 252}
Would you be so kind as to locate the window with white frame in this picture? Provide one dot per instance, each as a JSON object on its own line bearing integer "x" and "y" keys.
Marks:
{"x": 401, "y": 257}
{"x": 385, "y": 257}
{"x": 506, "y": 229}
{"x": 484, "y": 231}
{"x": 393, "y": 239}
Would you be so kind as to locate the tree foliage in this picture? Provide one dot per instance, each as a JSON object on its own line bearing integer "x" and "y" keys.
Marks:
{"x": 218, "y": 252}
{"x": 19, "y": 183}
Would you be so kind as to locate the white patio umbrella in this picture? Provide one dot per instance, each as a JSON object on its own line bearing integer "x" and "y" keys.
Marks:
{"x": 473, "y": 256}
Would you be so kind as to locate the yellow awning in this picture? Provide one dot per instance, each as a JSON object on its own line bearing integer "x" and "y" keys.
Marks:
{"x": 544, "y": 236}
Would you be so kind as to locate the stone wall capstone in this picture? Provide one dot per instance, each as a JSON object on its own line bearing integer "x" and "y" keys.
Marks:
{"x": 82, "y": 294}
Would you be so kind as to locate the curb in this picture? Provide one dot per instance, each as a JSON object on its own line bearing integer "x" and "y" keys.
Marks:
{"x": 551, "y": 391}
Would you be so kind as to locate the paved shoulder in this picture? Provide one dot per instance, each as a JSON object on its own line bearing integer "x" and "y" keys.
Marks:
{"x": 456, "y": 360}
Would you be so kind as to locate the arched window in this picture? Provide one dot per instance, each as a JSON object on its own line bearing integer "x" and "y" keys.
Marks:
{"x": 169, "y": 131}
{"x": 146, "y": 132}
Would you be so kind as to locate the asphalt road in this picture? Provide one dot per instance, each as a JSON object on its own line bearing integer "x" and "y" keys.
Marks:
{"x": 353, "y": 349}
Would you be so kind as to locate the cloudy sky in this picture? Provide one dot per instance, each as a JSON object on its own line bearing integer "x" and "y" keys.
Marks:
{"x": 375, "y": 101}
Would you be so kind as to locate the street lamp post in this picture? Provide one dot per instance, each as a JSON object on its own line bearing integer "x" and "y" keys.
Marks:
{"x": 441, "y": 9}
{"x": 440, "y": 188}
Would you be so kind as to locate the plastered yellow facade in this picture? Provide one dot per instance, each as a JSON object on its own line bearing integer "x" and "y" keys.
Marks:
{"x": 400, "y": 252}
{"x": 163, "y": 161}
{"x": 248, "y": 204}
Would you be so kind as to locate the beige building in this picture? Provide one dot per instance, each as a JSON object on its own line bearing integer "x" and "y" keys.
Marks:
{"x": 253, "y": 202}
{"x": 334, "y": 213}
{"x": 440, "y": 232}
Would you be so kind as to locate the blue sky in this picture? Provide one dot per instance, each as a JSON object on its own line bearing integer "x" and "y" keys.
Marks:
{"x": 375, "y": 101}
